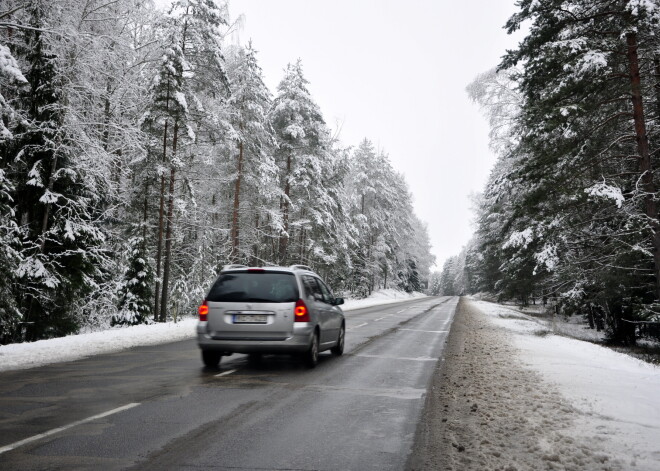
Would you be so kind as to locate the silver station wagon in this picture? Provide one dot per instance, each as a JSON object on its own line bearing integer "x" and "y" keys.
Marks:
{"x": 269, "y": 310}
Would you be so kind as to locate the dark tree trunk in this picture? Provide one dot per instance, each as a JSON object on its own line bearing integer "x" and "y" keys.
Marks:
{"x": 168, "y": 233}
{"x": 237, "y": 203}
{"x": 645, "y": 165}
{"x": 44, "y": 222}
{"x": 161, "y": 215}
{"x": 284, "y": 238}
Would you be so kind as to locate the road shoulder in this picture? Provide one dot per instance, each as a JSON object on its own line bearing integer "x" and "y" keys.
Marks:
{"x": 485, "y": 410}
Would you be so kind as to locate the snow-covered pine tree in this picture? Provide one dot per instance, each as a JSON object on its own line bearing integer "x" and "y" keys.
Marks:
{"x": 255, "y": 180}
{"x": 303, "y": 141}
{"x": 57, "y": 200}
{"x": 11, "y": 77}
{"x": 579, "y": 210}
{"x": 135, "y": 294}
{"x": 167, "y": 113}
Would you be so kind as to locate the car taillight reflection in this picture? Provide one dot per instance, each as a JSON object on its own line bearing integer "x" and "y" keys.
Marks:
{"x": 203, "y": 310}
{"x": 301, "y": 314}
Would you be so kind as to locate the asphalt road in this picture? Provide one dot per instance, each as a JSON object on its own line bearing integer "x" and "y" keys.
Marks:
{"x": 156, "y": 407}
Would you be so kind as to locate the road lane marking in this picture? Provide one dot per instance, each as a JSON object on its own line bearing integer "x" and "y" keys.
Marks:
{"x": 225, "y": 373}
{"x": 390, "y": 357}
{"x": 430, "y": 331}
{"x": 66, "y": 427}
{"x": 364, "y": 323}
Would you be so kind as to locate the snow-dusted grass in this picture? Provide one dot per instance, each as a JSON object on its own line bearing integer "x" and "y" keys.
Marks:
{"x": 571, "y": 326}
{"x": 74, "y": 347}
{"x": 617, "y": 397}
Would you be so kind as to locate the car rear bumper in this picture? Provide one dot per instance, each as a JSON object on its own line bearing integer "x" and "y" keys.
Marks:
{"x": 298, "y": 342}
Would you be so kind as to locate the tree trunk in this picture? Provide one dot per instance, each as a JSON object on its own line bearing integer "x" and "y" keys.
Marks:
{"x": 145, "y": 214}
{"x": 237, "y": 203}
{"x": 161, "y": 213}
{"x": 159, "y": 247}
{"x": 255, "y": 248}
{"x": 168, "y": 233}
{"x": 44, "y": 222}
{"x": 284, "y": 237}
{"x": 645, "y": 166}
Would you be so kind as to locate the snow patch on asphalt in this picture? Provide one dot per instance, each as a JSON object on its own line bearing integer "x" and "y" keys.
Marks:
{"x": 75, "y": 347}
{"x": 616, "y": 397}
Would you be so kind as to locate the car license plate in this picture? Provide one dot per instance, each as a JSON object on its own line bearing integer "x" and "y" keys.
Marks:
{"x": 250, "y": 318}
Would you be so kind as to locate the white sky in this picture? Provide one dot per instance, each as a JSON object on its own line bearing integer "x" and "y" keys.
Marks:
{"x": 395, "y": 72}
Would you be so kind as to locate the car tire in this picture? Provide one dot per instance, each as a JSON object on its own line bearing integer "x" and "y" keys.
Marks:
{"x": 254, "y": 359}
{"x": 341, "y": 338}
{"x": 312, "y": 354}
{"x": 211, "y": 358}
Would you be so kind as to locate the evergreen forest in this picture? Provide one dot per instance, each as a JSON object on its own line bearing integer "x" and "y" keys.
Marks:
{"x": 141, "y": 151}
{"x": 569, "y": 214}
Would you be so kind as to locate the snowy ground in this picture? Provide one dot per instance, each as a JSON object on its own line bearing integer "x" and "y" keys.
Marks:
{"x": 616, "y": 398}
{"x": 73, "y": 347}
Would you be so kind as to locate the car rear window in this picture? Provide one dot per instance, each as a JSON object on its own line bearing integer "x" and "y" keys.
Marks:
{"x": 256, "y": 287}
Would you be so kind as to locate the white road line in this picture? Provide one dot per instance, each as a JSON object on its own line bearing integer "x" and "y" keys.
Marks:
{"x": 65, "y": 427}
{"x": 364, "y": 323}
{"x": 380, "y": 318}
{"x": 390, "y": 357}
{"x": 430, "y": 331}
{"x": 225, "y": 373}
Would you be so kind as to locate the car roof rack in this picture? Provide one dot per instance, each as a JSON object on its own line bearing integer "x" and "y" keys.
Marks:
{"x": 300, "y": 267}
{"x": 231, "y": 266}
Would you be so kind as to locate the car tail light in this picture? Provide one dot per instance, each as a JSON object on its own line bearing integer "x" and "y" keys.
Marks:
{"x": 256, "y": 270}
{"x": 300, "y": 312}
{"x": 203, "y": 310}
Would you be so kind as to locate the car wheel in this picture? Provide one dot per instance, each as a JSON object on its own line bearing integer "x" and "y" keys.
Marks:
{"x": 254, "y": 359}
{"x": 312, "y": 355}
{"x": 211, "y": 358}
{"x": 339, "y": 348}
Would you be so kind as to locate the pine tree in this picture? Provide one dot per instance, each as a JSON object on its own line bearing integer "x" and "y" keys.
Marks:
{"x": 135, "y": 292}
{"x": 167, "y": 114}
{"x": 569, "y": 209}
{"x": 255, "y": 172}
{"x": 57, "y": 201}
{"x": 302, "y": 139}
{"x": 10, "y": 253}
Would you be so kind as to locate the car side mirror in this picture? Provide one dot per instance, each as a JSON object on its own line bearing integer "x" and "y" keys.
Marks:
{"x": 339, "y": 301}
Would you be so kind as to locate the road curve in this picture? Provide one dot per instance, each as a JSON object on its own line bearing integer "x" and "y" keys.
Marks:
{"x": 156, "y": 407}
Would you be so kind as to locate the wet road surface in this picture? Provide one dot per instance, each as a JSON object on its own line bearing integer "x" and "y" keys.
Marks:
{"x": 156, "y": 407}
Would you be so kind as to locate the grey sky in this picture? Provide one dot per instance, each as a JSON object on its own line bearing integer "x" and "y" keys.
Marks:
{"x": 395, "y": 72}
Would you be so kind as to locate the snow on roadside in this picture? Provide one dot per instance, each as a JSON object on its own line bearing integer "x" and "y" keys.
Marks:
{"x": 75, "y": 347}
{"x": 617, "y": 396}
{"x": 383, "y": 296}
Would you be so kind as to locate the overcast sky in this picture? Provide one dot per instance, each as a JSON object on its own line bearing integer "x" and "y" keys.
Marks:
{"x": 395, "y": 72}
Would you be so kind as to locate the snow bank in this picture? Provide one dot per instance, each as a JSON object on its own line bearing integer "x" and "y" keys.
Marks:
{"x": 617, "y": 397}
{"x": 74, "y": 347}
{"x": 377, "y": 298}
